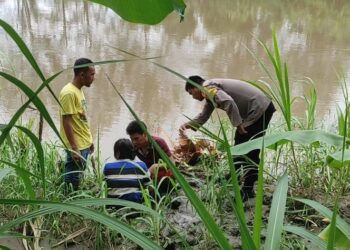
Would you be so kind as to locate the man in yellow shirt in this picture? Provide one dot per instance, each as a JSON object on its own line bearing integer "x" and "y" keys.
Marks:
{"x": 75, "y": 129}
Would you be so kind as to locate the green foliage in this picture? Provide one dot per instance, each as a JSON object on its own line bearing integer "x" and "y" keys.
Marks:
{"x": 279, "y": 89}
{"x": 341, "y": 241}
{"x": 342, "y": 225}
{"x": 191, "y": 195}
{"x": 112, "y": 223}
{"x": 150, "y": 12}
{"x": 145, "y": 11}
{"x": 306, "y": 137}
{"x": 276, "y": 217}
{"x": 339, "y": 159}
{"x": 307, "y": 235}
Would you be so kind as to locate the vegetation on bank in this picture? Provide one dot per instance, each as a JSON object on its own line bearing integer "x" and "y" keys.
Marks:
{"x": 305, "y": 162}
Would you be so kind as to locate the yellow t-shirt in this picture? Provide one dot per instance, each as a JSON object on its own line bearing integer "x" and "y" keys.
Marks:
{"x": 73, "y": 103}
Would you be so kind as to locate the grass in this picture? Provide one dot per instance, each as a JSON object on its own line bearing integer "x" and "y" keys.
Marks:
{"x": 31, "y": 187}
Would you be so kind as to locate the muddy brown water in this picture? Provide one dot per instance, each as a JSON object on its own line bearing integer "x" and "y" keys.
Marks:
{"x": 313, "y": 35}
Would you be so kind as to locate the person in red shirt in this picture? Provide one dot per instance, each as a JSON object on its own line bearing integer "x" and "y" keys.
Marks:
{"x": 147, "y": 153}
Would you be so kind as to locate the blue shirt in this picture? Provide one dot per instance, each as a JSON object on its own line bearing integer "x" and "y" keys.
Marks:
{"x": 125, "y": 178}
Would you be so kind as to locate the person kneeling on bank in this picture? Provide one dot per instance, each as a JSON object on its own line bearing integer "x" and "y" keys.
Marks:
{"x": 125, "y": 177}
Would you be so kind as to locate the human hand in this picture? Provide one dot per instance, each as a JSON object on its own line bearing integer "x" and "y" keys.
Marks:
{"x": 183, "y": 127}
{"x": 152, "y": 170}
{"x": 76, "y": 155}
{"x": 92, "y": 148}
{"x": 155, "y": 169}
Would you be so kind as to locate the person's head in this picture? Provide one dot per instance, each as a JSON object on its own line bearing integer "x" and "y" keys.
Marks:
{"x": 137, "y": 136}
{"x": 84, "y": 76}
{"x": 195, "y": 92}
{"x": 124, "y": 149}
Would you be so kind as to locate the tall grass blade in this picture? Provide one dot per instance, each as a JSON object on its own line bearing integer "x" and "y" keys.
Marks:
{"x": 81, "y": 202}
{"x": 259, "y": 199}
{"x": 332, "y": 229}
{"x": 260, "y": 62}
{"x": 281, "y": 91}
{"x": 40, "y": 152}
{"x": 302, "y": 232}
{"x": 19, "y": 112}
{"x": 24, "y": 175}
{"x": 208, "y": 220}
{"x": 25, "y": 51}
{"x": 23, "y": 47}
{"x": 208, "y": 133}
{"x": 31, "y": 95}
{"x": 8, "y": 139}
{"x": 276, "y": 216}
{"x": 247, "y": 241}
{"x": 110, "y": 222}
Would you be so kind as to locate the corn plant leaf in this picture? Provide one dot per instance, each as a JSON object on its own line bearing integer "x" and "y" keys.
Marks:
{"x": 145, "y": 11}
{"x": 258, "y": 211}
{"x": 276, "y": 216}
{"x": 110, "y": 222}
{"x": 341, "y": 241}
{"x": 31, "y": 95}
{"x": 342, "y": 225}
{"x": 4, "y": 172}
{"x": 333, "y": 229}
{"x": 299, "y": 136}
{"x": 19, "y": 112}
{"x": 25, "y": 51}
{"x": 305, "y": 234}
{"x": 338, "y": 160}
{"x": 22, "y": 46}
{"x": 4, "y": 247}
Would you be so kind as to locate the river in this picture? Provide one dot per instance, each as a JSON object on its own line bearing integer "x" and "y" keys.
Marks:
{"x": 212, "y": 41}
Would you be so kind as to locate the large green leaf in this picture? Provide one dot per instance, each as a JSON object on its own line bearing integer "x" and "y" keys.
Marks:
{"x": 299, "y": 136}
{"x": 302, "y": 232}
{"x": 341, "y": 241}
{"x": 276, "y": 216}
{"x": 338, "y": 160}
{"x": 341, "y": 224}
{"x": 144, "y": 11}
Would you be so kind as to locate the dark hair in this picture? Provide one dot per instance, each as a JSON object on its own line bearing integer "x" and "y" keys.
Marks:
{"x": 134, "y": 127}
{"x": 197, "y": 79}
{"x": 124, "y": 149}
{"x": 81, "y": 61}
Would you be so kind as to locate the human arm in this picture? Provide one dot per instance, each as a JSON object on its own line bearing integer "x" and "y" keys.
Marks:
{"x": 67, "y": 121}
{"x": 226, "y": 103}
{"x": 200, "y": 119}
